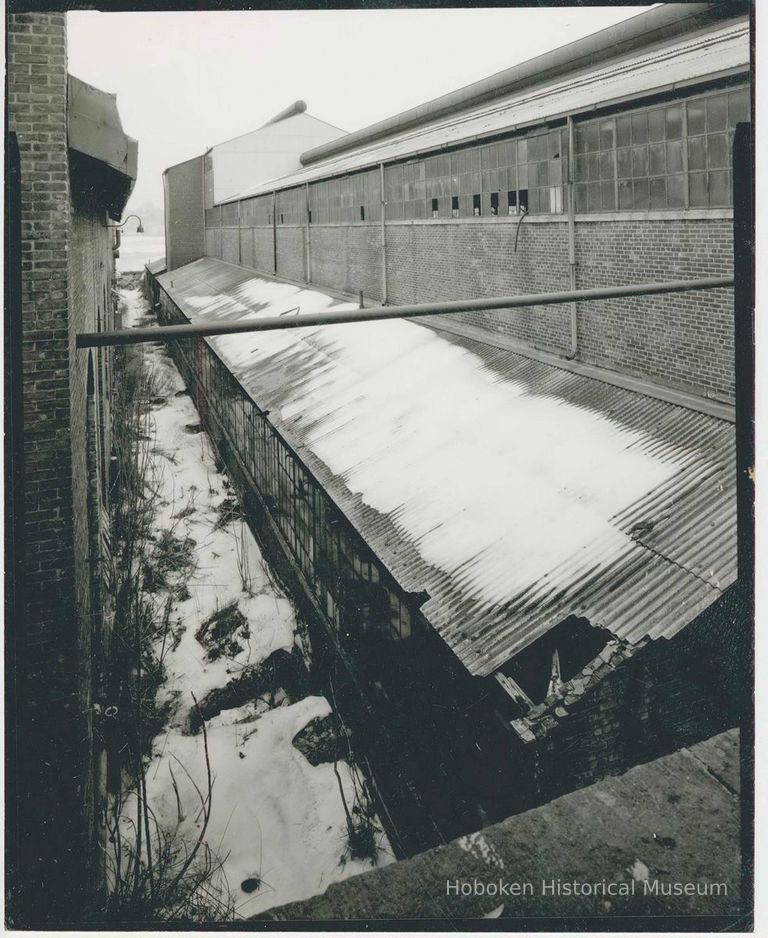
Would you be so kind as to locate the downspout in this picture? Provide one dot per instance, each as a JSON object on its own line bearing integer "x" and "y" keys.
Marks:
{"x": 274, "y": 232}
{"x": 309, "y": 234}
{"x": 384, "y": 298}
{"x": 572, "y": 244}
{"x": 239, "y": 236}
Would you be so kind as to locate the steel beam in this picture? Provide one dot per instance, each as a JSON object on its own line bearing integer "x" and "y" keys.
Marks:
{"x": 286, "y": 321}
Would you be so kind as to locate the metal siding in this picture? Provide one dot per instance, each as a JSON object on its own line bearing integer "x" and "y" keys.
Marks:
{"x": 678, "y": 550}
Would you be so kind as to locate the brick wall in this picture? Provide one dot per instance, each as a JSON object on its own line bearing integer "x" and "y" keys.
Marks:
{"x": 682, "y": 341}
{"x": 66, "y": 268}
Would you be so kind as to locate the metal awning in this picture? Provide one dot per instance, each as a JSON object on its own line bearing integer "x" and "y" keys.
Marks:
{"x": 515, "y": 493}
{"x": 95, "y": 131}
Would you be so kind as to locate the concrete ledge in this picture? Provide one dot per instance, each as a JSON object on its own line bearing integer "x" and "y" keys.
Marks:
{"x": 672, "y": 823}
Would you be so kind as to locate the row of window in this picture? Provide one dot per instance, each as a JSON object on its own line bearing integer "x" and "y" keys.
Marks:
{"x": 671, "y": 156}
{"x": 345, "y": 577}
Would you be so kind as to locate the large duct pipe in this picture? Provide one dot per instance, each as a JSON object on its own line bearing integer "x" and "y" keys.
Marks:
{"x": 298, "y": 107}
{"x": 660, "y": 24}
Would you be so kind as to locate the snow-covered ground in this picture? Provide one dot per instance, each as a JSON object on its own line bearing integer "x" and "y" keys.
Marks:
{"x": 136, "y": 250}
{"x": 275, "y": 818}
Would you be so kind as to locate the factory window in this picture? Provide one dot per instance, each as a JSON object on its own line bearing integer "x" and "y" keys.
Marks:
{"x": 512, "y": 202}
{"x": 476, "y": 205}
{"x": 362, "y": 213}
{"x": 667, "y": 157}
{"x": 435, "y": 209}
{"x": 494, "y": 203}
{"x": 455, "y": 206}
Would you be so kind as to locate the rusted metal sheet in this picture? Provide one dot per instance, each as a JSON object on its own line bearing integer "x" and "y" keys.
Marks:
{"x": 680, "y": 63}
{"x": 515, "y": 493}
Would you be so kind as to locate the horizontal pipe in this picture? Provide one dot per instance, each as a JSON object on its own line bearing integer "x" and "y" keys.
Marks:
{"x": 267, "y": 323}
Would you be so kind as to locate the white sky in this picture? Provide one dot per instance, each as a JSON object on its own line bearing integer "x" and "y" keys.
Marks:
{"x": 185, "y": 81}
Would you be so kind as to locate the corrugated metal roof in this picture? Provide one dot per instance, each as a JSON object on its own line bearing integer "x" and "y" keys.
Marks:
{"x": 513, "y": 492}
{"x": 720, "y": 51}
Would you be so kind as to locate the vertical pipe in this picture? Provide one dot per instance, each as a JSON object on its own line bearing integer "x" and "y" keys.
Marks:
{"x": 309, "y": 234}
{"x": 274, "y": 232}
{"x": 239, "y": 236}
{"x": 572, "y": 243}
{"x": 743, "y": 632}
{"x": 384, "y": 297}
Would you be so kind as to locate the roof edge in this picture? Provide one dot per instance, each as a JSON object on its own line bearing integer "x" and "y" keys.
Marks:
{"x": 665, "y": 22}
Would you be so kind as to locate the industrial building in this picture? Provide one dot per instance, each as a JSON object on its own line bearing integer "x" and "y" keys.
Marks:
{"x": 516, "y": 528}
{"x": 70, "y": 171}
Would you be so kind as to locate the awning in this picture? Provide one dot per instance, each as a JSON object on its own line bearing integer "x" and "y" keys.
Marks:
{"x": 513, "y": 492}
{"x": 94, "y": 130}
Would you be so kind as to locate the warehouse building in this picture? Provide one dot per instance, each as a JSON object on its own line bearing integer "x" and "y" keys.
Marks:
{"x": 71, "y": 169}
{"x": 518, "y": 527}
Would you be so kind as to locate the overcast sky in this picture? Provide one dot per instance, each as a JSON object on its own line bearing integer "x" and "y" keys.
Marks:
{"x": 185, "y": 81}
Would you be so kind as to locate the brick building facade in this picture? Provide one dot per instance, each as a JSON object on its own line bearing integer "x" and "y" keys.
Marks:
{"x": 64, "y": 188}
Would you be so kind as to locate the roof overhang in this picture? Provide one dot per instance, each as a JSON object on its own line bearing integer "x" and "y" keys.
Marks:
{"x": 94, "y": 131}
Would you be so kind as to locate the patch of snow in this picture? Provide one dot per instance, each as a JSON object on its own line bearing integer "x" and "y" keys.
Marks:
{"x": 137, "y": 250}
{"x": 275, "y": 817}
{"x": 481, "y": 849}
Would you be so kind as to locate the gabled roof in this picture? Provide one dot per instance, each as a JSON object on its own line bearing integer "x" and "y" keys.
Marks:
{"x": 513, "y": 492}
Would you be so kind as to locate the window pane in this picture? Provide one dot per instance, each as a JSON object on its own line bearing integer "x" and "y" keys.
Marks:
{"x": 594, "y": 200}
{"x": 659, "y": 192}
{"x": 606, "y": 165}
{"x": 697, "y": 189}
{"x": 581, "y": 167}
{"x": 675, "y": 156}
{"x": 623, "y": 135}
{"x": 640, "y": 187}
{"x": 656, "y": 125}
{"x": 555, "y": 172}
{"x": 579, "y": 139}
{"x": 719, "y": 189}
{"x": 522, "y": 151}
{"x": 639, "y": 128}
{"x": 606, "y": 135}
{"x": 658, "y": 161}
{"x": 676, "y": 191}
{"x": 716, "y": 113}
{"x": 593, "y": 166}
{"x": 593, "y": 136}
{"x": 696, "y": 117}
{"x": 553, "y": 145}
{"x": 738, "y": 107}
{"x": 625, "y": 194}
{"x": 697, "y": 153}
{"x": 717, "y": 151}
{"x": 609, "y": 196}
{"x": 624, "y": 162}
{"x": 674, "y": 117}
{"x": 639, "y": 161}
{"x": 580, "y": 196}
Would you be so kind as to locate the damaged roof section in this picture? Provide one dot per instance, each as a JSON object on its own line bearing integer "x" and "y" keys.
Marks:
{"x": 515, "y": 493}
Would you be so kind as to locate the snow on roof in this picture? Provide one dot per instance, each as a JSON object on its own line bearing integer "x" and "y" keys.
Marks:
{"x": 513, "y": 492}
{"x": 683, "y": 62}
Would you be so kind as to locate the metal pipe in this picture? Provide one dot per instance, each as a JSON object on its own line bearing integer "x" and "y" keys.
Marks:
{"x": 572, "y": 238}
{"x": 267, "y": 323}
{"x": 384, "y": 298}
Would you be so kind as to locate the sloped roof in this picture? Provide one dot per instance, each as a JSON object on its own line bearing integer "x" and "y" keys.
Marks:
{"x": 513, "y": 492}
{"x": 721, "y": 51}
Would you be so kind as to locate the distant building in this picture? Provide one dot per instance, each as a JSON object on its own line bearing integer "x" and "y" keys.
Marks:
{"x": 70, "y": 171}
{"x": 517, "y": 527}
{"x": 227, "y": 169}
